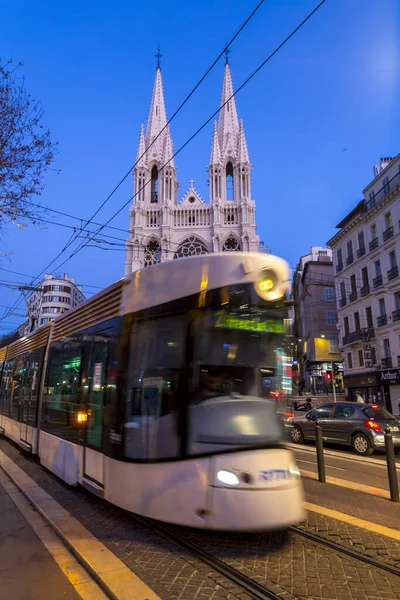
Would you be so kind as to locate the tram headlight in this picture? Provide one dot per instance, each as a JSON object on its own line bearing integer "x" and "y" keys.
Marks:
{"x": 227, "y": 477}
{"x": 294, "y": 470}
{"x": 268, "y": 286}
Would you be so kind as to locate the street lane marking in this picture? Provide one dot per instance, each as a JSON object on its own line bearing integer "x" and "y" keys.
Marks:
{"x": 351, "y": 485}
{"x": 339, "y": 516}
{"x": 340, "y": 455}
{"x": 310, "y": 462}
{"x": 83, "y": 583}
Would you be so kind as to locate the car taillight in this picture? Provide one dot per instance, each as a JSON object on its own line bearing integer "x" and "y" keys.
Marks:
{"x": 374, "y": 406}
{"x": 288, "y": 414}
{"x": 373, "y": 425}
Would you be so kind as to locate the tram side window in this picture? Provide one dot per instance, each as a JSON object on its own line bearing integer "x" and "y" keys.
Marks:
{"x": 61, "y": 403}
{"x": 157, "y": 359}
{"x": 25, "y": 386}
{"x": 6, "y": 388}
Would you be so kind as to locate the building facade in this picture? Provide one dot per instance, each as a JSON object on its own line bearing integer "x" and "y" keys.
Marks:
{"x": 163, "y": 227}
{"x": 366, "y": 252}
{"x": 52, "y": 297}
{"x": 319, "y": 362}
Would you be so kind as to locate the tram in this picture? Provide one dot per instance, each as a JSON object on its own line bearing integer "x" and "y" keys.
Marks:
{"x": 152, "y": 394}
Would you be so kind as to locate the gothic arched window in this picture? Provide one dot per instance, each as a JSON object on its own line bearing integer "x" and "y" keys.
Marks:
{"x": 154, "y": 185}
{"x": 230, "y": 192}
{"x": 191, "y": 247}
{"x": 152, "y": 253}
{"x": 231, "y": 244}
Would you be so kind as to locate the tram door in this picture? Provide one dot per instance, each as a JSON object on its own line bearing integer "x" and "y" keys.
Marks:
{"x": 97, "y": 375}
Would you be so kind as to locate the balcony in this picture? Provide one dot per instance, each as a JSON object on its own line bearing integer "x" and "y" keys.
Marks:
{"x": 387, "y": 234}
{"x": 361, "y": 251}
{"x": 387, "y": 362}
{"x": 339, "y": 267}
{"x": 373, "y": 244}
{"x": 342, "y": 302}
{"x": 360, "y": 335}
{"x": 365, "y": 290}
{"x": 350, "y": 259}
{"x": 396, "y": 315}
{"x": 353, "y": 296}
{"x": 392, "y": 273}
{"x": 381, "y": 320}
{"x": 377, "y": 281}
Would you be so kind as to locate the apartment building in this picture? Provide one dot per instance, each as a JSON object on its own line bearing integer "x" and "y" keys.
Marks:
{"x": 317, "y": 355}
{"x": 366, "y": 251}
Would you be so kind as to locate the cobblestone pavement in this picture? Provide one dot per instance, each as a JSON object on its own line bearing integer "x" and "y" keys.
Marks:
{"x": 292, "y": 565}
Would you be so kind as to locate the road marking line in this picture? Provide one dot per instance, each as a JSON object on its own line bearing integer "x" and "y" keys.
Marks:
{"x": 351, "y": 485}
{"x": 83, "y": 583}
{"x": 339, "y": 516}
{"x": 339, "y": 455}
{"x": 310, "y": 462}
{"x": 111, "y": 574}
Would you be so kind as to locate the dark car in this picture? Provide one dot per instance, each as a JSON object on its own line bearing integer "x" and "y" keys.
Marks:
{"x": 360, "y": 426}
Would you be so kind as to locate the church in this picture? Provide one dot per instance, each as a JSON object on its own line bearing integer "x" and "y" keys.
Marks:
{"x": 164, "y": 227}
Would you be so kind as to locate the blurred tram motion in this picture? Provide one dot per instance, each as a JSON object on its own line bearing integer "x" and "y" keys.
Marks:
{"x": 150, "y": 394}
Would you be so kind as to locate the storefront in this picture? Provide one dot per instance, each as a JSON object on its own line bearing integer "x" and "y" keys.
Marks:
{"x": 368, "y": 385}
{"x": 390, "y": 381}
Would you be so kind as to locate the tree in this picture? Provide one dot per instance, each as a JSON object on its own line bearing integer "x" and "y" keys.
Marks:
{"x": 26, "y": 150}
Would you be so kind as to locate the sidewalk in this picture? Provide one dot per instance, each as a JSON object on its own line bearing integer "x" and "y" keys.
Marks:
{"x": 27, "y": 570}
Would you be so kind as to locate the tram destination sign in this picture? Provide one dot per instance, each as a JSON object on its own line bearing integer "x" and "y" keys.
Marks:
{"x": 250, "y": 323}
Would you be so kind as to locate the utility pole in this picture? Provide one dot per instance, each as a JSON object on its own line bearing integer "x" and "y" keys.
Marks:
{"x": 333, "y": 381}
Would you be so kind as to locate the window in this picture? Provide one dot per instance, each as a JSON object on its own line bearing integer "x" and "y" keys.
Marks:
{"x": 339, "y": 257}
{"x": 397, "y": 300}
{"x": 364, "y": 275}
{"x": 230, "y": 194}
{"x": 360, "y": 358}
{"x": 231, "y": 244}
{"x": 386, "y": 348}
{"x": 346, "y": 325}
{"x": 373, "y": 355}
{"x": 377, "y": 413}
{"x": 357, "y": 325}
{"x": 386, "y": 185}
{"x": 353, "y": 284}
{"x": 154, "y": 185}
{"x": 382, "y": 308}
{"x": 368, "y": 315}
{"x": 333, "y": 345}
{"x": 349, "y": 360}
{"x": 371, "y": 197}
{"x": 343, "y": 292}
{"x": 392, "y": 259}
{"x": 323, "y": 412}
{"x": 378, "y": 271}
{"x": 152, "y": 253}
{"x": 373, "y": 232}
{"x": 343, "y": 412}
{"x": 328, "y": 293}
{"x": 388, "y": 220}
{"x": 330, "y": 317}
{"x": 361, "y": 242}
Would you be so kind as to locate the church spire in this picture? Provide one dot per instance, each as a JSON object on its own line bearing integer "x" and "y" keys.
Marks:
{"x": 242, "y": 152}
{"x": 228, "y": 122}
{"x": 141, "y": 151}
{"x": 215, "y": 157}
{"x": 157, "y": 117}
{"x": 167, "y": 157}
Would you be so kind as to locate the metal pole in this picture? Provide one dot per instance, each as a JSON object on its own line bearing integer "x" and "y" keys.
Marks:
{"x": 320, "y": 453}
{"x": 333, "y": 381}
{"x": 391, "y": 467}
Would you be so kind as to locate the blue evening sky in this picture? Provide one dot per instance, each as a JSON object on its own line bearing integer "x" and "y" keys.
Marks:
{"x": 317, "y": 117}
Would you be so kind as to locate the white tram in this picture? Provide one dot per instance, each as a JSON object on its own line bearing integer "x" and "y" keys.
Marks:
{"x": 153, "y": 394}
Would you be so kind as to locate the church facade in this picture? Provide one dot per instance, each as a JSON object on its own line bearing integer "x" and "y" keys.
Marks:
{"x": 164, "y": 227}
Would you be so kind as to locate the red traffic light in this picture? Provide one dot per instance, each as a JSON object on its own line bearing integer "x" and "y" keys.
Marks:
{"x": 328, "y": 374}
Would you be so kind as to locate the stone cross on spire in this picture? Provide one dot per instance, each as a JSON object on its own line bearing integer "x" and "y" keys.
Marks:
{"x": 158, "y": 57}
{"x": 191, "y": 183}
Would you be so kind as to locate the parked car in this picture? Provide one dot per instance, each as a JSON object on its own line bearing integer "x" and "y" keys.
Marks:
{"x": 360, "y": 426}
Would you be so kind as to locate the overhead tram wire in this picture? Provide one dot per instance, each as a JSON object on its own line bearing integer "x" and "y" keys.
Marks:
{"x": 73, "y": 239}
{"x": 303, "y": 22}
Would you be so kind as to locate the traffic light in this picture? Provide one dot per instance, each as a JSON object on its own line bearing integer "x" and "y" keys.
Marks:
{"x": 328, "y": 375}
{"x": 336, "y": 370}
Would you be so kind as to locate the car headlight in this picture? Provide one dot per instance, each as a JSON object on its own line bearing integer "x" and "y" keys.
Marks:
{"x": 227, "y": 477}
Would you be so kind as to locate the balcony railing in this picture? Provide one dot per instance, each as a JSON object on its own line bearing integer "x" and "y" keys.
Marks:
{"x": 349, "y": 259}
{"x": 377, "y": 281}
{"x": 361, "y": 252}
{"x": 363, "y": 335}
{"x": 396, "y": 315}
{"x": 342, "y": 302}
{"x": 387, "y": 362}
{"x": 383, "y": 192}
{"x": 339, "y": 267}
{"x": 381, "y": 320}
{"x": 392, "y": 273}
{"x": 353, "y": 296}
{"x": 364, "y": 290}
{"x": 387, "y": 234}
{"x": 373, "y": 244}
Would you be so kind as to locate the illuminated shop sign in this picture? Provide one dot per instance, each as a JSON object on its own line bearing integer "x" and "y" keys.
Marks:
{"x": 225, "y": 321}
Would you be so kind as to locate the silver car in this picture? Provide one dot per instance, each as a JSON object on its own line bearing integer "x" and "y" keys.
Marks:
{"x": 360, "y": 426}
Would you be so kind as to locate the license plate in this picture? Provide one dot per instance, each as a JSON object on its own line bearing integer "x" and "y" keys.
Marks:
{"x": 393, "y": 428}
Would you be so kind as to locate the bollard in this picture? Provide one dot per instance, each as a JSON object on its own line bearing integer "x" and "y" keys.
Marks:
{"x": 320, "y": 453}
{"x": 391, "y": 467}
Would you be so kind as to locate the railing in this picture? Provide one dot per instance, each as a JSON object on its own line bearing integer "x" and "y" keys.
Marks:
{"x": 392, "y": 273}
{"x": 153, "y": 218}
{"x": 230, "y": 216}
{"x": 342, "y": 302}
{"x": 373, "y": 244}
{"x": 363, "y": 335}
{"x": 191, "y": 217}
{"x": 361, "y": 251}
{"x": 377, "y": 281}
{"x": 339, "y": 267}
{"x": 381, "y": 320}
{"x": 353, "y": 296}
{"x": 387, "y": 362}
{"x": 396, "y": 315}
{"x": 365, "y": 290}
{"x": 388, "y": 233}
{"x": 349, "y": 259}
{"x": 383, "y": 192}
